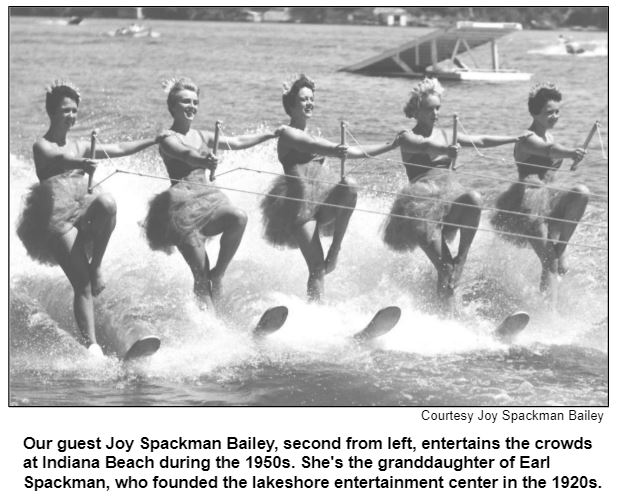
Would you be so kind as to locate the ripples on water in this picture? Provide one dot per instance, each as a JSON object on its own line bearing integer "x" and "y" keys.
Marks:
{"x": 561, "y": 358}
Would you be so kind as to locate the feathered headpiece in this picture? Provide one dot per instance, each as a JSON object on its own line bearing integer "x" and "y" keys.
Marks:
{"x": 542, "y": 86}
{"x": 292, "y": 79}
{"x": 427, "y": 86}
{"x": 168, "y": 84}
{"x": 62, "y": 83}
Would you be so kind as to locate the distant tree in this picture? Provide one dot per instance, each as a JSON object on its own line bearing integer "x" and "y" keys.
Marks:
{"x": 308, "y": 14}
{"x": 588, "y": 16}
{"x": 528, "y": 16}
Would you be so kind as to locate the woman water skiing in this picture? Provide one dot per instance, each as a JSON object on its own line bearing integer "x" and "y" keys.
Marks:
{"x": 301, "y": 204}
{"x": 433, "y": 196}
{"x": 62, "y": 223}
{"x": 531, "y": 201}
{"x": 190, "y": 211}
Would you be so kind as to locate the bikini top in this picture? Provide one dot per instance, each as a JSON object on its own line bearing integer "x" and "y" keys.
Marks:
{"x": 530, "y": 167}
{"x": 72, "y": 172}
{"x": 177, "y": 169}
{"x": 417, "y": 161}
{"x": 294, "y": 157}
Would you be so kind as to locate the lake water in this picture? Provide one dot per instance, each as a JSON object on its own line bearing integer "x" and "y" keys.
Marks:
{"x": 561, "y": 358}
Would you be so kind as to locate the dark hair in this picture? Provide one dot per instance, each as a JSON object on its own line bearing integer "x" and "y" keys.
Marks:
{"x": 179, "y": 86}
{"x": 55, "y": 95}
{"x": 288, "y": 97}
{"x": 541, "y": 95}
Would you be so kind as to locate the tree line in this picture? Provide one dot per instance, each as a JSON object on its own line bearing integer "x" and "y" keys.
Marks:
{"x": 530, "y": 17}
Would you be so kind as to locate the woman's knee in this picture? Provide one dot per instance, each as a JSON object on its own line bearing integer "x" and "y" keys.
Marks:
{"x": 581, "y": 191}
{"x": 106, "y": 203}
{"x": 472, "y": 198}
{"x": 347, "y": 191}
{"x": 238, "y": 217}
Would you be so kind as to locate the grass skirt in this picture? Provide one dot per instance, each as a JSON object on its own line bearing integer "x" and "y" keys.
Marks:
{"x": 313, "y": 184}
{"x": 51, "y": 208}
{"x": 178, "y": 215}
{"x": 530, "y": 204}
{"x": 403, "y": 234}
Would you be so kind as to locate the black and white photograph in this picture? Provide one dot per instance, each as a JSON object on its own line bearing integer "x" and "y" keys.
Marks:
{"x": 308, "y": 206}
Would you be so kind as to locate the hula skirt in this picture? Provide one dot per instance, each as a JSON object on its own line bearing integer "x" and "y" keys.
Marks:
{"x": 421, "y": 200}
{"x": 292, "y": 201}
{"x": 51, "y": 208}
{"x": 178, "y": 215}
{"x": 530, "y": 204}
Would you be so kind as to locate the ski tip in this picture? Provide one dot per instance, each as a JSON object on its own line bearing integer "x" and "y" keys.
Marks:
{"x": 382, "y": 322}
{"x": 146, "y": 346}
{"x": 271, "y": 320}
{"x": 512, "y": 326}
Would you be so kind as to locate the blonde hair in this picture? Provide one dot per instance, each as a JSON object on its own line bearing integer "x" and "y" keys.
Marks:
{"x": 175, "y": 85}
{"x": 427, "y": 86}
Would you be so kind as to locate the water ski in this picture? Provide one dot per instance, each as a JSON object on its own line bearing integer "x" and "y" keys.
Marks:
{"x": 383, "y": 322}
{"x": 271, "y": 320}
{"x": 143, "y": 347}
{"x": 512, "y": 326}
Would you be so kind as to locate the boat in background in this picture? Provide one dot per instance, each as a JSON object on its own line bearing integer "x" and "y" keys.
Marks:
{"x": 75, "y": 20}
{"x": 573, "y": 47}
{"x": 437, "y": 55}
{"x": 135, "y": 31}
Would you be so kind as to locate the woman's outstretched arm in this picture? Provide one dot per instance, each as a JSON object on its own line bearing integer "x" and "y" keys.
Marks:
{"x": 49, "y": 161}
{"x": 121, "y": 149}
{"x": 484, "y": 141}
{"x": 535, "y": 145}
{"x": 304, "y": 142}
{"x": 240, "y": 142}
{"x": 360, "y": 151}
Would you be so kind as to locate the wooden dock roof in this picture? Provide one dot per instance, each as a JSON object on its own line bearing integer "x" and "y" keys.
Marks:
{"x": 436, "y": 46}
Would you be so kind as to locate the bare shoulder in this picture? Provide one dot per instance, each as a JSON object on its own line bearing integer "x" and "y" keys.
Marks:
{"x": 72, "y": 148}
{"x": 42, "y": 145}
{"x": 292, "y": 135}
{"x": 39, "y": 146}
{"x": 534, "y": 140}
{"x": 410, "y": 137}
{"x": 531, "y": 144}
{"x": 288, "y": 132}
{"x": 170, "y": 140}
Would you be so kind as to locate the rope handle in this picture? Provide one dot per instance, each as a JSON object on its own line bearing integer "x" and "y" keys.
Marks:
{"x": 343, "y": 141}
{"x": 363, "y": 210}
{"x": 215, "y": 145}
{"x": 93, "y": 140}
{"x": 454, "y": 141}
{"x": 594, "y": 128}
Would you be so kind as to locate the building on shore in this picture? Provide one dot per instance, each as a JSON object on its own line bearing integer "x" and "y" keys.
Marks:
{"x": 391, "y": 16}
{"x": 277, "y": 14}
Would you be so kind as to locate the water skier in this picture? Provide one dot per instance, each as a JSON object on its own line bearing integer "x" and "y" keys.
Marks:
{"x": 62, "y": 223}
{"x": 190, "y": 211}
{"x": 433, "y": 195}
{"x": 537, "y": 159}
{"x": 299, "y": 223}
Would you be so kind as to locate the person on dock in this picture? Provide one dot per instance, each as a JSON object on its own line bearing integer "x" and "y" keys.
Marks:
{"x": 62, "y": 223}
{"x": 433, "y": 207}
{"x": 190, "y": 211}
{"x": 546, "y": 215}
{"x": 309, "y": 199}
